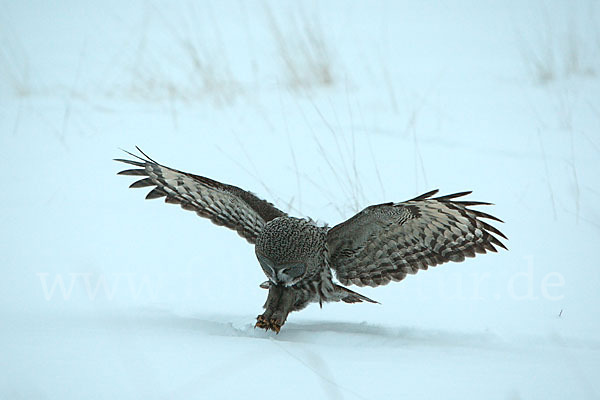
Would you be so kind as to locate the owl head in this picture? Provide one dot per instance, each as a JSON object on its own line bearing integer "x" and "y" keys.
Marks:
{"x": 289, "y": 248}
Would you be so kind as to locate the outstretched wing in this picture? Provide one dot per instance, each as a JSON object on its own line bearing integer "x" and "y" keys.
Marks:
{"x": 223, "y": 204}
{"x": 385, "y": 242}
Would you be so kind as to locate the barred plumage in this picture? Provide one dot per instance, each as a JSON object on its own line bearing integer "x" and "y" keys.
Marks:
{"x": 380, "y": 244}
{"x": 223, "y": 204}
{"x": 386, "y": 242}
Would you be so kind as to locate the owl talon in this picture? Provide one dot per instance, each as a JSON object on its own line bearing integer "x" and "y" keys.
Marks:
{"x": 261, "y": 322}
{"x": 267, "y": 324}
{"x": 274, "y": 325}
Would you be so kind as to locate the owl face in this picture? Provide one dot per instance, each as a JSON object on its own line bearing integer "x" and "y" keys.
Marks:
{"x": 287, "y": 247}
{"x": 286, "y": 274}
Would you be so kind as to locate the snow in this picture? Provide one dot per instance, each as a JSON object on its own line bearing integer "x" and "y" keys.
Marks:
{"x": 105, "y": 295}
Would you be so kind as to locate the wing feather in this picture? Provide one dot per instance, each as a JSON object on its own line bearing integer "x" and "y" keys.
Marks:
{"x": 223, "y": 204}
{"x": 386, "y": 242}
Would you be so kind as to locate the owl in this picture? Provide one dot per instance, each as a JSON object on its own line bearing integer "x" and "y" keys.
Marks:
{"x": 380, "y": 244}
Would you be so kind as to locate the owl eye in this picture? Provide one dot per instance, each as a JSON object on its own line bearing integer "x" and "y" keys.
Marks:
{"x": 294, "y": 270}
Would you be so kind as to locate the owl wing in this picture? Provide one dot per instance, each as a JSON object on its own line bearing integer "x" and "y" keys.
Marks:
{"x": 223, "y": 204}
{"x": 385, "y": 242}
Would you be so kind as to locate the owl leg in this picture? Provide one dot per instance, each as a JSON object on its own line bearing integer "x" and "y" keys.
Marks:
{"x": 284, "y": 307}
{"x": 277, "y": 307}
{"x": 264, "y": 320}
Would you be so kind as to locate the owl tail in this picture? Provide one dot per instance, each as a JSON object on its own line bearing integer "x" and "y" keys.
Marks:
{"x": 349, "y": 296}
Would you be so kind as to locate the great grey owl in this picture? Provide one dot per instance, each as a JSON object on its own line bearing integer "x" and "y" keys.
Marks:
{"x": 382, "y": 243}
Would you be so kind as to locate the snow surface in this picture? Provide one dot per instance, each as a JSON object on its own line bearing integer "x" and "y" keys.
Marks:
{"x": 323, "y": 108}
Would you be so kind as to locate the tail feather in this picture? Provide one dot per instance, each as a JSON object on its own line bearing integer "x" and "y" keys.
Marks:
{"x": 349, "y": 296}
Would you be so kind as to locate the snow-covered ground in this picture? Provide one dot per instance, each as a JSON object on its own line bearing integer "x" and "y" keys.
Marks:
{"x": 323, "y": 108}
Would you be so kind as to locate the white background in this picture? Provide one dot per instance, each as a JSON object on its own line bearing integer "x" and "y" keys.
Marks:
{"x": 322, "y": 108}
